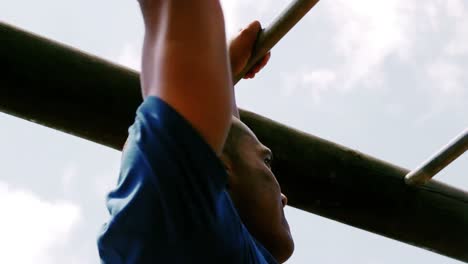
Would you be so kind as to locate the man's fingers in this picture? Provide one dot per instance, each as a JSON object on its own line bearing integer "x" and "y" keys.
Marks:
{"x": 254, "y": 27}
{"x": 249, "y": 76}
{"x": 264, "y": 60}
{"x": 250, "y": 36}
{"x": 240, "y": 47}
{"x": 259, "y": 66}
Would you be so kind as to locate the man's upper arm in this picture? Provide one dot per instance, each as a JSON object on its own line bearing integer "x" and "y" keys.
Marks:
{"x": 185, "y": 63}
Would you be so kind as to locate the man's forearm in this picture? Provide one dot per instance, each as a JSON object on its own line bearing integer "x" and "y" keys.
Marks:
{"x": 185, "y": 63}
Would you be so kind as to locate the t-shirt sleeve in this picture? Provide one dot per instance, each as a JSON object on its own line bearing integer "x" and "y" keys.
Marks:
{"x": 170, "y": 204}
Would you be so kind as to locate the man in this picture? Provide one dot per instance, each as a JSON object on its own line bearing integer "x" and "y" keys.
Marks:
{"x": 195, "y": 185}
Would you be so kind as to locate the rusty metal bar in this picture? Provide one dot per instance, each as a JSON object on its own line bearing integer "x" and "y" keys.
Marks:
{"x": 439, "y": 161}
{"x": 62, "y": 88}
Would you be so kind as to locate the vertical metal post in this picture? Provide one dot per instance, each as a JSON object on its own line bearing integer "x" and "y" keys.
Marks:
{"x": 438, "y": 161}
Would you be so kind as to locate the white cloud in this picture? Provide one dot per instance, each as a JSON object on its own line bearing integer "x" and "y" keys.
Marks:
{"x": 315, "y": 82}
{"x": 106, "y": 179}
{"x": 364, "y": 34}
{"x": 447, "y": 77}
{"x": 458, "y": 44}
{"x": 454, "y": 12}
{"x": 455, "y": 8}
{"x": 130, "y": 56}
{"x": 367, "y": 32}
{"x": 231, "y": 15}
{"x": 69, "y": 174}
{"x": 321, "y": 78}
{"x": 447, "y": 89}
{"x": 318, "y": 82}
{"x": 236, "y": 12}
{"x": 30, "y": 227}
{"x": 446, "y": 68}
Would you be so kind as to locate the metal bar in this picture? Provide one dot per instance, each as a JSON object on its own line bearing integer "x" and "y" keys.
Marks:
{"x": 438, "y": 161}
{"x": 64, "y": 89}
{"x": 268, "y": 38}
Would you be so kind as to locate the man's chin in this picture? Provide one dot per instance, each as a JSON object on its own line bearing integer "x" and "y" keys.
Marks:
{"x": 290, "y": 242}
{"x": 287, "y": 243}
{"x": 287, "y": 249}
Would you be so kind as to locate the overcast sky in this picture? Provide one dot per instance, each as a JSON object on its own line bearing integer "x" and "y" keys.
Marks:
{"x": 387, "y": 78}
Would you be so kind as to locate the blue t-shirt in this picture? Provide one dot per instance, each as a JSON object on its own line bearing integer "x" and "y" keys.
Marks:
{"x": 171, "y": 204}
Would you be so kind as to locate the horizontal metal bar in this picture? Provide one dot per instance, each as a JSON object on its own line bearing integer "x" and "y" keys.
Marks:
{"x": 438, "y": 161}
{"x": 64, "y": 89}
{"x": 269, "y": 37}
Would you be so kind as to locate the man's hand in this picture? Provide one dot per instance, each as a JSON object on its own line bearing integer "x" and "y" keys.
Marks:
{"x": 240, "y": 50}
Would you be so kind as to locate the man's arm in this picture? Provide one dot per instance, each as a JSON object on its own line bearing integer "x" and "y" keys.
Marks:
{"x": 185, "y": 63}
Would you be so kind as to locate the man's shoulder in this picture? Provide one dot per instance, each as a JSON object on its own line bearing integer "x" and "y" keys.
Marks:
{"x": 165, "y": 136}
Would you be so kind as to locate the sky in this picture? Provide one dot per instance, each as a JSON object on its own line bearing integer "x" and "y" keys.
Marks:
{"x": 386, "y": 78}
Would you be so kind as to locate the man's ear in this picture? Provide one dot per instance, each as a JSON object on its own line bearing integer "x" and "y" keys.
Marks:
{"x": 227, "y": 164}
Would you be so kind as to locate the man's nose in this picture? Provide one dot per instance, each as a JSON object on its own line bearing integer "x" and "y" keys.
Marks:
{"x": 284, "y": 200}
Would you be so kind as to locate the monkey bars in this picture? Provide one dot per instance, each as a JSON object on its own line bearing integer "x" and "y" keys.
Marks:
{"x": 277, "y": 30}
{"x": 65, "y": 89}
{"x": 439, "y": 161}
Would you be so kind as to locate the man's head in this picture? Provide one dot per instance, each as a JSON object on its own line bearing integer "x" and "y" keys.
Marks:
{"x": 255, "y": 191}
